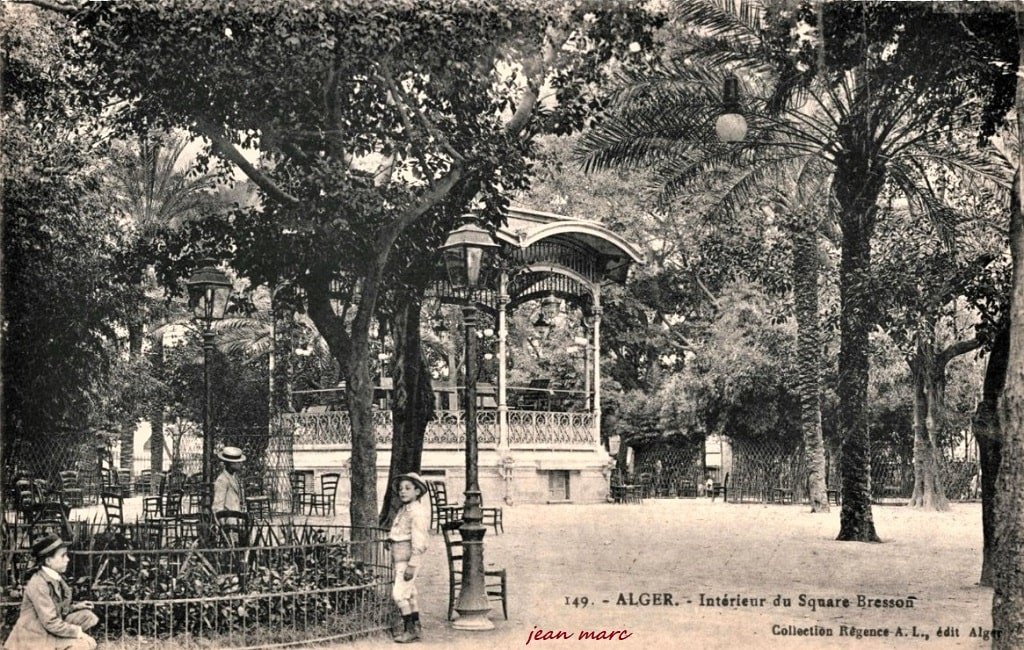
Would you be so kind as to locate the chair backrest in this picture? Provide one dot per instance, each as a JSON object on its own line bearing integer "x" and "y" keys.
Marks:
{"x": 190, "y": 503}
{"x": 113, "y": 506}
{"x": 453, "y": 546}
{"x": 253, "y": 485}
{"x": 69, "y": 479}
{"x": 438, "y": 492}
{"x": 150, "y": 507}
{"x": 297, "y": 481}
{"x": 329, "y": 483}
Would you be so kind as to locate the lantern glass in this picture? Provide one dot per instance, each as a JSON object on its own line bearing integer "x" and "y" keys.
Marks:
{"x": 731, "y": 127}
{"x": 465, "y": 253}
{"x": 209, "y": 291}
{"x": 474, "y": 262}
{"x": 551, "y": 306}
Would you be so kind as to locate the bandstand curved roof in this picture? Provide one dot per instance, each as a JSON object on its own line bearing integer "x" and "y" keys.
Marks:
{"x": 551, "y": 254}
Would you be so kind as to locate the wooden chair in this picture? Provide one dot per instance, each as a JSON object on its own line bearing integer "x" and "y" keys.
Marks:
{"x": 257, "y": 503}
{"x": 110, "y": 483}
{"x": 190, "y": 528}
{"x": 50, "y": 516}
{"x": 323, "y": 502}
{"x": 71, "y": 488}
{"x": 170, "y": 503}
{"x": 144, "y": 482}
{"x": 124, "y": 480}
{"x": 441, "y": 512}
{"x": 297, "y": 482}
{"x": 113, "y": 507}
{"x": 151, "y": 507}
{"x": 495, "y": 580}
{"x": 721, "y": 489}
{"x": 832, "y": 496}
{"x": 492, "y": 517}
{"x": 159, "y": 522}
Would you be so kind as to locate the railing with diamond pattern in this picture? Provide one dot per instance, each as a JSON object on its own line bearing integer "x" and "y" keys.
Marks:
{"x": 527, "y": 429}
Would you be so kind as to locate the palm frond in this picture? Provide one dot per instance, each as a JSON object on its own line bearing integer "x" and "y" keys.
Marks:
{"x": 644, "y": 137}
{"x": 922, "y": 202}
{"x": 736, "y": 19}
{"x": 973, "y": 163}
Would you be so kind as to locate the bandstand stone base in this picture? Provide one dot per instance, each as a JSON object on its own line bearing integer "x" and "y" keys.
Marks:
{"x": 535, "y": 476}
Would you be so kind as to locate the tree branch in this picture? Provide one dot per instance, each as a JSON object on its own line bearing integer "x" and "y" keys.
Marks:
{"x": 955, "y": 350}
{"x": 429, "y": 200}
{"x": 227, "y": 150}
{"x": 535, "y": 67}
{"x": 401, "y": 98}
{"x": 59, "y": 7}
{"x": 403, "y": 115}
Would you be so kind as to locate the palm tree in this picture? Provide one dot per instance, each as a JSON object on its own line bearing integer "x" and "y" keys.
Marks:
{"x": 863, "y": 126}
{"x": 155, "y": 197}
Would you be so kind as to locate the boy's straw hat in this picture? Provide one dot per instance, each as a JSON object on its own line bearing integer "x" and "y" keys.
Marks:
{"x": 412, "y": 477}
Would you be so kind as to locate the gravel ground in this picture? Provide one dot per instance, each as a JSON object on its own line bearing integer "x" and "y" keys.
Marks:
{"x": 693, "y": 549}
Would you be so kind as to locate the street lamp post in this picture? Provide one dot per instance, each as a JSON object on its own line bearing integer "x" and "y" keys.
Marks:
{"x": 208, "y": 291}
{"x": 464, "y": 254}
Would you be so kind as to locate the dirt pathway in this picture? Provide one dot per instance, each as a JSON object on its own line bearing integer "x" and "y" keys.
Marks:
{"x": 721, "y": 554}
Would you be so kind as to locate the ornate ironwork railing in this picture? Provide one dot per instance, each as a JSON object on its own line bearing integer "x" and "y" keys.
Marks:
{"x": 447, "y": 429}
{"x": 537, "y": 429}
{"x": 530, "y": 429}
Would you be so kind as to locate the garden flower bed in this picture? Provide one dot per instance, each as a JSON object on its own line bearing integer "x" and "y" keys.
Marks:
{"x": 302, "y": 583}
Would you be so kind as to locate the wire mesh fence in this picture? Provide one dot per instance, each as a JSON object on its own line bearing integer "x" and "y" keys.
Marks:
{"x": 765, "y": 470}
{"x": 301, "y": 584}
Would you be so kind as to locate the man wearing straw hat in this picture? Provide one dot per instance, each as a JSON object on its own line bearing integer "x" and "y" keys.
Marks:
{"x": 227, "y": 489}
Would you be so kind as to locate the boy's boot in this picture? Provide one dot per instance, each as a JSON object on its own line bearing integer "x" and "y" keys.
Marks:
{"x": 408, "y": 635}
{"x": 416, "y": 629}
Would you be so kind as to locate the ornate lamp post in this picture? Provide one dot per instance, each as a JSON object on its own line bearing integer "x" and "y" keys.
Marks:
{"x": 464, "y": 254}
{"x": 208, "y": 291}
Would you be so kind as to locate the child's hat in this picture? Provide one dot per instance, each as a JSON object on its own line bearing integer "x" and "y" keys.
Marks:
{"x": 46, "y": 545}
{"x": 412, "y": 477}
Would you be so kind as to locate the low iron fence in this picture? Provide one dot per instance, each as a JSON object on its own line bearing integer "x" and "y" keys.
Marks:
{"x": 309, "y": 583}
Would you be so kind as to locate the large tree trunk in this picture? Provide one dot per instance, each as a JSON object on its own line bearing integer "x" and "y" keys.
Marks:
{"x": 929, "y": 493}
{"x": 806, "y": 269}
{"x": 156, "y": 418}
{"x": 986, "y": 430}
{"x": 1008, "y": 600}
{"x": 856, "y": 185}
{"x": 359, "y": 389}
{"x": 413, "y": 400}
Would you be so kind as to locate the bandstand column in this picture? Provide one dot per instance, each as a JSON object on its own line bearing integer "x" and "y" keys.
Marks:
{"x": 502, "y": 361}
{"x": 597, "y": 370}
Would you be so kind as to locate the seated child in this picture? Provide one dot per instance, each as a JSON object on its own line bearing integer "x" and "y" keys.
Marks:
{"x": 48, "y": 619}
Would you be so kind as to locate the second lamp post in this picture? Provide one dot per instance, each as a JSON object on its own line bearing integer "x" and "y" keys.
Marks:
{"x": 208, "y": 291}
{"x": 464, "y": 255}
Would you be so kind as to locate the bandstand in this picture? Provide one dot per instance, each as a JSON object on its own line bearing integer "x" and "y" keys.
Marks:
{"x": 540, "y": 442}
